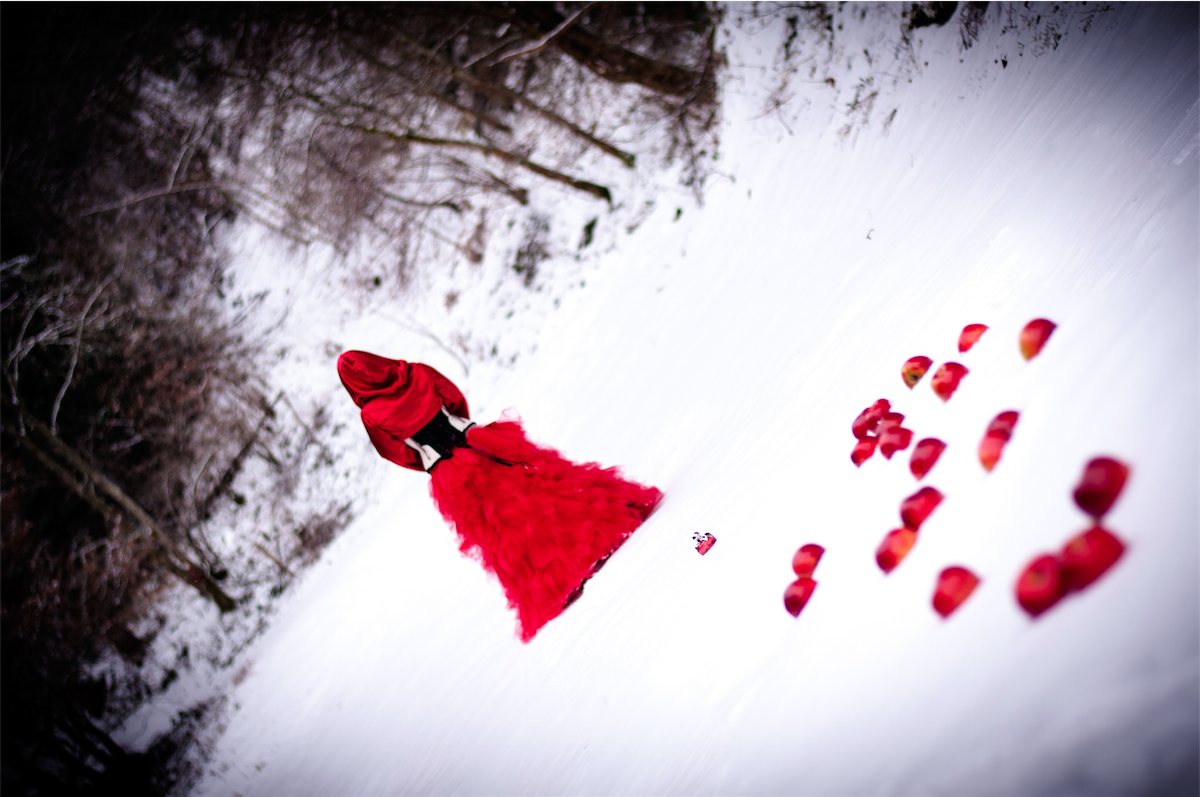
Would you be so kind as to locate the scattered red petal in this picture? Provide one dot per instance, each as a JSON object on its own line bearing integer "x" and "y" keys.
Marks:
{"x": 925, "y": 455}
{"x": 946, "y": 379}
{"x": 1101, "y": 483}
{"x": 804, "y": 562}
{"x": 1041, "y": 585}
{"x": 1004, "y": 424}
{"x": 894, "y": 548}
{"x": 1088, "y": 555}
{"x": 955, "y": 585}
{"x": 990, "y": 448}
{"x": 970, "y": 336}
{"x": 1034, "y": 337}
{"x": 863, "y": 450}
{"x": 918, "y": 506}
{"x": 867, "y": 420}
{"x": 915, "y": 368}
{"x": 893, "y": 439}
{"x": 797, "y": 595}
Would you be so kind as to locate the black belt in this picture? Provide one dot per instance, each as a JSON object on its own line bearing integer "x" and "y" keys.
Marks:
{"x": 440, "y": 435}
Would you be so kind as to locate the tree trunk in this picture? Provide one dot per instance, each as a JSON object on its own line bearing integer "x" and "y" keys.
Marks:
{"x": 609, "y": 61}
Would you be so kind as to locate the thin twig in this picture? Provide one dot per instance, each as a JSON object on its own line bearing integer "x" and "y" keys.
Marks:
{"x": 542, "y": 42}
{"x": 133, "y": 200}
{"x": 62, "y": 391}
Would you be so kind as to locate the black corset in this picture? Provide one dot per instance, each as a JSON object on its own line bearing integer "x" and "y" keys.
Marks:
{"x": 441, "y": 436}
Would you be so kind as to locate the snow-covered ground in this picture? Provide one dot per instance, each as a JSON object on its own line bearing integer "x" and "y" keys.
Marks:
{"x": 722, "y": 354}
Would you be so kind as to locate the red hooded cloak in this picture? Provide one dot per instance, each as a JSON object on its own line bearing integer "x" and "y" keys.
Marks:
{"x": 541, "y": 523}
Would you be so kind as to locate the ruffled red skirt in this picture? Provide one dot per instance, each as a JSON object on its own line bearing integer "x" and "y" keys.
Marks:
{"x": 541, "y": 523}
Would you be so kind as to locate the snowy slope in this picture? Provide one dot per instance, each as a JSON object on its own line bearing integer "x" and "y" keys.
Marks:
{"x": 723, "y": 356}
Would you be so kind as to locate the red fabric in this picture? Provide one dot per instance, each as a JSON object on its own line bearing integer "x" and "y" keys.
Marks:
{"x": 397, "y": 398}
{"x": 540, "y": 524}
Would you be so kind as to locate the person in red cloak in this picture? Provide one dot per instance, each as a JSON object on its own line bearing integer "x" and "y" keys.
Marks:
{"x": 541, "y": 523}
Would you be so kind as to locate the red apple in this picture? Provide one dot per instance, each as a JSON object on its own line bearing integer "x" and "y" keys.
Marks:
{"x": 1088, "y": 555}
{"x": 1004, "y": 424}
{"x": 893, "y": 439}
{"x": 1102, "y": 481}
{"x": 1041, "y": 585}
{"x": 955, "y": 585}
{"x": 914, "y": 368}
{"x": 867, "y": 420}
{"x": 946, "y": 379}
{"x": 1034, "y": 336}
{"x": 797, "y": 595}
{"x": 990, "y": 448}
{"x": 894, "y": 548}
{"x": 863, "y": 450}
{"x": 918, "y": 506}
{"x": 805, "y": 560}
{"x": 925, "y": 456}
{"x": 970, "y": 336}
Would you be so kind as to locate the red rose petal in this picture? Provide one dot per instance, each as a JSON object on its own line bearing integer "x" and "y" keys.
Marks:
{"x": 797, "y": 595}
{"x": 805, "y": 561}
{"x": 1088, "y": 555}
{"x": 1100, "y": 485}
{"x": 970, "y": 336}
{"x": 990, "y": 448}
{"x": 863, "y": 450}
{"x": 925, "y": 455}
{"x": 895, "y": 546}
{"x": 955, "y": 585}
{"x": 1004, "y": 424}
{"x": 946, "y": 379}
{"x": 894, "y": 439}
{"x": 867, "y": 420}
{"x": 1041, "y": 585}
{"x": 1034, "y": 336}
{"x": 918, "y": 506}
{"x": 914, "y": 368}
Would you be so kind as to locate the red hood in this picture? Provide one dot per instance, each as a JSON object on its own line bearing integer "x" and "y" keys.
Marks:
{"x": 367, "y": 376}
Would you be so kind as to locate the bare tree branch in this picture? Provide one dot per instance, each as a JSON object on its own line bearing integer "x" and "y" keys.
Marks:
{"x": 62, "y": 391}
{"x": 543, "y": 41}
{"x": 503, "y": 92}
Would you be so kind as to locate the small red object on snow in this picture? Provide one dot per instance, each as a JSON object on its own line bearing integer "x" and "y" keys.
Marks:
{"x": 797, "y": 594}
{"x": 1041, "y": 585}
{"x": 893, "y": 439}
{"x": 890, "y": 420}
{"x": 1102, "y": 481}
{"x": 990, "y": 448}
{"x": 868, "y": 419}
{"x": 946, "y": 379}
{"x": 894, "y": 548}
{"x": 918, "y": 506}
{"x": 863, "y": 450}
{"x": 955, "y": 585}
{"x": 805, "y": 561}
{"x": 914, "y": 368}
{"x": 1034, "y": 336}
{"x": 925, "y": 456}
{"x": 704, "y": 542}
{"x": 970, "y": 336}
{"x": 1088, "y": 555}
{"x": 1004, "y": 424}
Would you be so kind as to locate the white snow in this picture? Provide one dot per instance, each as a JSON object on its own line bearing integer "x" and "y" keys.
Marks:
{"x": 722, "y": 356}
